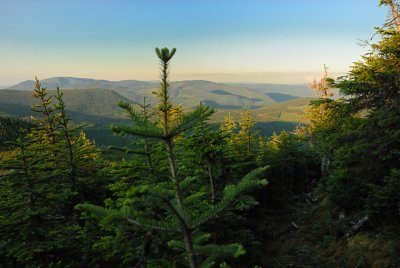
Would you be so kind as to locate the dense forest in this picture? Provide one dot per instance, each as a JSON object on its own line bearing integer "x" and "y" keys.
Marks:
{"x": 184, "y": 193}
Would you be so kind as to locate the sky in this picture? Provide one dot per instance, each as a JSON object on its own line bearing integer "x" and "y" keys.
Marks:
{"x": 277, "y": 41}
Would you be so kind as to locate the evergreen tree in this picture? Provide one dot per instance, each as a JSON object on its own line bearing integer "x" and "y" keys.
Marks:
{"x": 177, "y": 207}
{"x": 49, "y": 167}
{"x": 204, "y": 149}
{"x": 229, "y": 127}
{"x": 360, "y": 134}
{"x": 366, "y": 148}
{"x": 293, "y": 165}
{"x": 11, "y": 129}
{"x": 246, "y": 125}
{"x": 47, "y": 124}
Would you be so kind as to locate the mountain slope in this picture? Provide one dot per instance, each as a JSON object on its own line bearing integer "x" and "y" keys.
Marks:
{"x": 280, "y": 97}
{"x": 298, "y": 90}
{"x": 217, "y": 95}
{"x": 100, "y": 107}
{"x": 83, "y": 103}
{"x": 95, "y": 103}
{"x": 292, "y": 110}
{"x": 188, "y": 93}
{"x": 288, "y": 111}
{"x": 84, "y": 83}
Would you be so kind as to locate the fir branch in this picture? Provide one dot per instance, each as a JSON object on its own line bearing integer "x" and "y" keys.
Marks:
{"x": 127, "y": 150}
{"x": 164, "y": 225}
{"x": 147, "y": 131}
{"x": 126, "y": 214}
{"x": 248, "y": 182}
{"x": 189, "y": 120}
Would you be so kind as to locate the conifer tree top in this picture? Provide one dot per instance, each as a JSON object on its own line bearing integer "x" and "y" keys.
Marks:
{"x": 164, "y": 54}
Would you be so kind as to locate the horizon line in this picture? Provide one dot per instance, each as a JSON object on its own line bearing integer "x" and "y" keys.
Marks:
{"x": 269, "y": 77}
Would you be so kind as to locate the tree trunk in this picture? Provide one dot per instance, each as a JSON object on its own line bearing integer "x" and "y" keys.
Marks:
{"x": 211, "y": 182}
{"x": 187, "y": 235}
{"x": 148, "y": 157}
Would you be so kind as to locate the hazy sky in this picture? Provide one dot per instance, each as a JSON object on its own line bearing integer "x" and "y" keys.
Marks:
{"x": 220, "y": 40}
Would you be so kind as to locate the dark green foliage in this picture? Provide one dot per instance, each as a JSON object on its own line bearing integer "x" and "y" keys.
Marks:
{"x": 384, "y": 200}
{"x": 367, "y": 148}
{"x": 358, "y": 135}
{"x": 204, "y": 156}
{"x": 10, "y": 130}
{"x": 294, "y": 165}
{"x": 49, "y": 169}
{"x": 30, "y": 210}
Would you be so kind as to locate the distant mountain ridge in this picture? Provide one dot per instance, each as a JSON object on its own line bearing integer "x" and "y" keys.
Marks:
{"x": 188, "y": 93}
{"x": 83, "y": 83}
{"x": 299, "y": 90}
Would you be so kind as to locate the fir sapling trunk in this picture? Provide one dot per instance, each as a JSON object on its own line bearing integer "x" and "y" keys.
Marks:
{"x": 63, "y": 122}
{"x": 210, "y": 176}
{"x": 187, "y": 235}
{"x": 71, "y": 161}
{"x": 148, "y": 157}
{"x": 146, "y": 143}
{"x": 248, "y": 141}
{"x": 165, "y": 107}
{"x": 26, "y": 174}
{"x": 44, "y": 108}
{"x": 209, "y": 167}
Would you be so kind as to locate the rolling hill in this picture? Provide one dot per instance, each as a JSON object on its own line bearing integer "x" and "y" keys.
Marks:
{"x": 85, "y": 104}
{"x": 96, "y": 102}
{"x": 217, "y": 95}
{"x": 84, "y": 83}
{"x": 288, "y": 111}
{"x": 280, "y": 97}
{"x": 94, "y": 105}
{"x": 298, "y": 90}
{"x": 188, "y": 93}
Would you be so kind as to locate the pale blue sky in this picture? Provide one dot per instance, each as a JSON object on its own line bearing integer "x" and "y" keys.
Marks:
{"x": 237, "y": 40}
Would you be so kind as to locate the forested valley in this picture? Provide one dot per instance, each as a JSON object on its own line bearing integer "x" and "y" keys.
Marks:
{"x": 185, "y": 192}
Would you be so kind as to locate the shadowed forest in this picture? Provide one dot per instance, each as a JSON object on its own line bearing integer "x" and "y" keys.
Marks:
{"x": 182, "y": 189}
